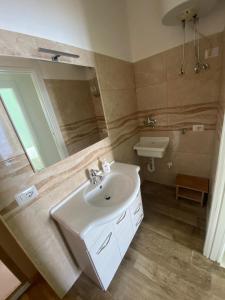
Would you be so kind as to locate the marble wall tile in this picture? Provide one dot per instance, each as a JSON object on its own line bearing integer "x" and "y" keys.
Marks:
{"x": 177, "y": 103}
{"x": 13, "y": 174}
{"x": 160, "y": 117}
{"x": 186, "y": 116}
{"x": 194, "y": 142}
{"x": 194, "y": 164}
{"x": 151, "y": 70}
{"x": 180, "y": 117}
{"x": 114, "y": 73}
{"x": 44, "y": 245}
{"x": 22, "y": 45}
{"x": 152, "y": 96}
{"x": 123, "y": 100}
{"x": 173, "y": 57}
{"x": 72, "y": 100}
{"x": 31, "y": 224}
{"x": 201, "y": 89}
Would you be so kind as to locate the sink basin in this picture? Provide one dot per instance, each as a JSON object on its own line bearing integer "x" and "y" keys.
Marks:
{"x": 91, "y": 205}
{"x": 111, "y": 192}
{"x": 152, "y": 146}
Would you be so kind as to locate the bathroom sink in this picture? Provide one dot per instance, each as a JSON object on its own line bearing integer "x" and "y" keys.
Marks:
{"x": 92, "y": 205}
{"x": 152, "y": 146}
{"x": 111, "y": 192}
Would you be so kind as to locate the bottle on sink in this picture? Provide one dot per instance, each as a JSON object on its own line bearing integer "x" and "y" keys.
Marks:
{"x": 106, "y": 167}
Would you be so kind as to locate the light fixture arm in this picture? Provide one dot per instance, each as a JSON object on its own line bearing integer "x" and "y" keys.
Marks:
{"x": 57, "y": 54}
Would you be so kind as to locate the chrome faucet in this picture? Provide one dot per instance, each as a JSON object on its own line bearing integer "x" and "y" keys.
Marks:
{"x": 96, "y": 176}
{"x": 149, "y": 122}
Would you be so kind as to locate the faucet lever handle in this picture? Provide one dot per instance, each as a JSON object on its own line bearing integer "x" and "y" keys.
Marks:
{"x": 95, "y": 175}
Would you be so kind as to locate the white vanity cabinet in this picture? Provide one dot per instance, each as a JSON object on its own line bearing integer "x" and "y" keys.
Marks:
{"x": 100, "y": 251}
{"x": 124, "y": 231}
{"x": 105, "y": 256}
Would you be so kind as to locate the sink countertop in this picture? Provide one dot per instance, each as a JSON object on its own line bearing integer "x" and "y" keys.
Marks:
{"x": 79, "y": 216}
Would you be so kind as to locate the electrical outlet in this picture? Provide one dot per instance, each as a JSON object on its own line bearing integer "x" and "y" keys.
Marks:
{"x": 213, "y": 52}
{"x": 198, "y": 127}
{"x": 26, "y": 196}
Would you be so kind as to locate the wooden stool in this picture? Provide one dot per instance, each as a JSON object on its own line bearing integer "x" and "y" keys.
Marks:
{"x": 192, "y": 188}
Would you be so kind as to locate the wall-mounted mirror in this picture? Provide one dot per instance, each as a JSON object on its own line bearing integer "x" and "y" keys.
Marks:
{"x": 55, "y": 108}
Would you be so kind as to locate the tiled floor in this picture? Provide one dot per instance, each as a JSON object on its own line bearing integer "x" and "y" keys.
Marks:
{"x": 164, "y": 261}
{"x": 8, "y": 282}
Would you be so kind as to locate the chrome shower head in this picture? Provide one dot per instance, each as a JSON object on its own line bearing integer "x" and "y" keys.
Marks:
{"x": 205, "y": 66}
{"x": 197, "y": 68}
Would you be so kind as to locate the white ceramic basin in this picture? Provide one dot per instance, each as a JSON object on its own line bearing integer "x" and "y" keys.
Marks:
{"x": 152, "y": 146}
{"x": 91, "y": 205}
{"x": 111, "y": 192}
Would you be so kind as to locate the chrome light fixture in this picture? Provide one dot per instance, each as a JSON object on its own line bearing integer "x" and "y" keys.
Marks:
{"x": 57, "y": 54}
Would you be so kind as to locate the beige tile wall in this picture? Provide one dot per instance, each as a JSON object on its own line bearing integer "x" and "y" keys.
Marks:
{"x": 14, "y": 165}
{"x": 32, "y": 225}
{"x": 177, "y": 102}
{"x": 72, "y": 100}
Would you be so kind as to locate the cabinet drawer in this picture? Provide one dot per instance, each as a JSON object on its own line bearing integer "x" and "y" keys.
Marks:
{"x": 105, "y": 256}
{"x": 124, "y": 231}
{"x": 92, "y": 236}
{"x": 137, "y": 212}
{"x": 137, "y": 221}
{"x": 136, "y": 207}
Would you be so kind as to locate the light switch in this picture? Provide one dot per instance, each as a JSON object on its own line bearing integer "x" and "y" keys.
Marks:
{"x": 212, "y": 52}
{"x": 27, "y": 195}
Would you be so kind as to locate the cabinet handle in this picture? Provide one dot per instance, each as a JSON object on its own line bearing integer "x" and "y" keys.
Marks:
{"x": 121, "y": 218}
{"x": 137, "y": 209}
{"x": 105, "y": 243}
{"x": 139, "y": 221}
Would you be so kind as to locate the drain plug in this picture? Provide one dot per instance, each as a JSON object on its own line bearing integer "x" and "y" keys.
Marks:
{"x": 107, "y": 197}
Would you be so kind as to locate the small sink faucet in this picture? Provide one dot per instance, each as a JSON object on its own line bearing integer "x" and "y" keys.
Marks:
{"x": 149, "y": 122}
{"x": 96, "y": 176}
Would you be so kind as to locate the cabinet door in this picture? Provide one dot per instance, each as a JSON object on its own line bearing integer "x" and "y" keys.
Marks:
{"x": 124, "y": 231}
{"x": 137, "y": 213}
{"x": 105, "y": 256}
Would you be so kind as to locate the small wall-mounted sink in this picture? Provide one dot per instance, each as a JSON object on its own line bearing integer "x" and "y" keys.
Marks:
{"x": 152, "y": 146}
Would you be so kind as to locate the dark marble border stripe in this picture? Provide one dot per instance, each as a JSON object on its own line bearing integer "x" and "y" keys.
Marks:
{"x": 81, "y": 136}
{"x": 82, "y": 122}
{"x": 65, "y": 175}
{"x": 120, "y": 123}
{"x": 187, "y": 109}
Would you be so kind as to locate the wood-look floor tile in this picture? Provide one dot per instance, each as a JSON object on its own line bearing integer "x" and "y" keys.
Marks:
{"x": 164, "y": 261}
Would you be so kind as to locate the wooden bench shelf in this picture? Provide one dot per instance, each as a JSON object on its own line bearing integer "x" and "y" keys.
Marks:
{"x": 192, "y": 188}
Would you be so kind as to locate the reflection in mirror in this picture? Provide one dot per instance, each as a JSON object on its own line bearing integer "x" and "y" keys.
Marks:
{"x": 55, "y": 108}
